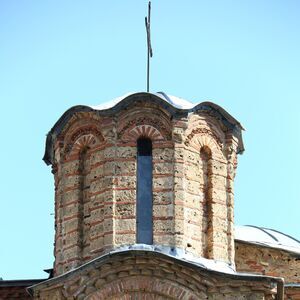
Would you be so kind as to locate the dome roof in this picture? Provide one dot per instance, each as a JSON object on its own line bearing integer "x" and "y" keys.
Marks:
{"x": 172, "y": 104}
{"x": 267, "y": 237}
{"x": 174, "y": 101}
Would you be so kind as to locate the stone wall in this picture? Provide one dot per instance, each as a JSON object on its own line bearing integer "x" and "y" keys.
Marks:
{"x": 194, "y": 161}
{"x": 11, "y": 293}
{"x": 139, "y": 275}
{"x": 16, "y": 289}
{"x": 292, "y": 293}
{"x": 267, "y": 261}
{"x": 208, "y": 187}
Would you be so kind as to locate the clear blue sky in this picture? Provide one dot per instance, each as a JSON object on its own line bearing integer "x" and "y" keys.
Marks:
{"x": 242, "y": 55}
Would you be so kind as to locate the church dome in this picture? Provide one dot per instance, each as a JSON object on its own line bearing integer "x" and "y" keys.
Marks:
{"x": 144, "y": 168}
{"x": 177, "y": 102}
{"x": 172, "y": 104}
{"x": 266, "y": 237}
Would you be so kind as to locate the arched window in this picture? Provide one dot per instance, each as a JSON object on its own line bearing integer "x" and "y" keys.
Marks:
{"x": 144, "y": 227}
{"x": 205, "y": 155}
{"x": 84, "y": 189}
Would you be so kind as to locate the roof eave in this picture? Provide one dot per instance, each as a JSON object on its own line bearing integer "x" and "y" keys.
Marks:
{"x": 228, "y": 120}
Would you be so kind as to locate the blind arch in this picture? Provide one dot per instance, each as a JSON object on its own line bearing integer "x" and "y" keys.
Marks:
{"x": 205, "y": 156}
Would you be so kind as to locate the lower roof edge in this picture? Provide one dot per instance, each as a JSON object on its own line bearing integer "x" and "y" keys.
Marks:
{"x": 144, "y": 252}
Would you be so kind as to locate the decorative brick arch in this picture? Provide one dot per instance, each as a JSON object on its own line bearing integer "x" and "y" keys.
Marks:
{"x": 150, "y": 276}
{"x": 84, "y": 137}
{"x": 142, "y": 287}
{"x": 83, "y": 129}
{"x": 148, "y": 131}
{"x": 76, "y": 145}
{"x": 147, "y": 122}
{"x": 207, "y": 143}
{"x": 206, "y": 130}
{"x": 138, "y": 275}
{"x": 145, "y": 126}
{"x": 203, "y": 137}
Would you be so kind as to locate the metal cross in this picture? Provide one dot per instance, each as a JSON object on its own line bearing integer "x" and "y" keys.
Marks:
{"x": 149, "y": 50}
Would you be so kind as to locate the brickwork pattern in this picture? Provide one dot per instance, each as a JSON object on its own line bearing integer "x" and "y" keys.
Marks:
{"x": 11, "y": 293}
{"x": 292, "y": 293}
{"x": 145, "y": 277}
{"x": 267, "y": 261}
{"x": 95, "y": 183}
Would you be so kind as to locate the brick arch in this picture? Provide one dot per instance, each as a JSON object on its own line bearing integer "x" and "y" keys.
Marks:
{"x": 86, "y": 141}
{"x": 139, "y": 295}
{"x": 142, "y": 287}
{"x": 82, "y": 129}
{"x": 203, "y": 138}
{"x": 206, "y": 130}
{"x": 145, "y": 126}
{"x": 137, "y": 272}
{"x": 209, "y": 189}
{"x": 208, "y": 120}
{"x": 80, "y": 119}
{"x": 144, "y": 121}
{"x": 83, "y": 137}
{"x": 148, "y": 131}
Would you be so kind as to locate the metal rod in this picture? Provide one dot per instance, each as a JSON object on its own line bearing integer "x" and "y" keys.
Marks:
{"x": 149, "y": 48}
{"x": 148, "y": 69}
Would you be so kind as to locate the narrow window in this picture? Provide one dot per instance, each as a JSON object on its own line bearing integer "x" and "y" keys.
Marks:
{"x": 144, "y": 227}
{"x": 205, "y": 155}
{"x": 84, "y": 186}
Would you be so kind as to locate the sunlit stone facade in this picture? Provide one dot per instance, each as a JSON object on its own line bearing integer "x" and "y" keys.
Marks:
{"x": 98, "y": 198}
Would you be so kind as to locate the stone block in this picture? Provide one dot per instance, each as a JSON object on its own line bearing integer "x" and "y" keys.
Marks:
{"x": 97, "y": 172}
{"x": 70, "y": 167}
{"x": 70, "y": 225}
{"x": 163, "y": 210}
{"x": 125, "y": 167}
{"x": 107, "y": 225}
{"x": 96, "y": 230}
{"x": 163, "y": 168}
{"x": 109, "y": 168}
{"x": 192, "y": 157}
{"x": 126, "y": 182}
{"x": 97, "y": 243}
{"x": 125, "y": 196}
{"x": 125, "y": 225}
{"x": 97, "y": 157}
{"x": 194, "y": 173}
{"x": 163, "y": 226}
{"x": 193, "y": 187}
{"x": 163, "y": 183}
{"x": 73, "y": 180}
{"x": 218, "y": 168}
{"x": 162, "y": 197}
{"x": 166, "y": 154}
{"x": 109, "y": 152}
{"x": 125, "y": 210}
{"x": 125, "y": 239}
{"x": 71, "y": 196}
{"x": 97, "y": 214}
{"x": 126, "y": 152}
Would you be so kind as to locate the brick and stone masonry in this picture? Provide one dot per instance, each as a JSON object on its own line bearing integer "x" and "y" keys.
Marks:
{"x": 93, "y": 154}
{"x": 147, "y": 276}
{"x": 194, "y": 161}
